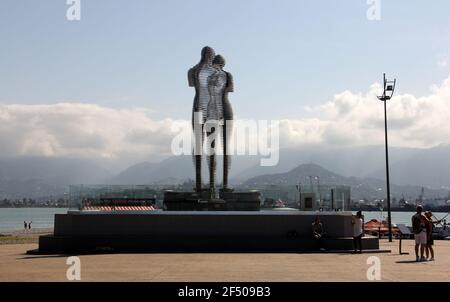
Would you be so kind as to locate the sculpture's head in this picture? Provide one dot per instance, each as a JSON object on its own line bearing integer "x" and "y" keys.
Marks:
{"x": 219, "y": 61}
{"x": 208, "y": 54}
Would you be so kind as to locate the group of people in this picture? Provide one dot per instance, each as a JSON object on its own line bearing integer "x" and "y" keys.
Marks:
{"x": 423, "y": 225}
{"x": 27, "y": 225}
{"x": 358, "y": 232}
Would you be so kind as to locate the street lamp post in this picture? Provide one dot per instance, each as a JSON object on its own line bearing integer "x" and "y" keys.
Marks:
{"x": 388, "y": 92}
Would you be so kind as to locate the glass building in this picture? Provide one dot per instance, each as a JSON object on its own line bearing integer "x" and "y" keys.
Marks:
{"x": 310, "y": 198}
{"x": 325, "y": 197}
{"x": 88, "y": 197}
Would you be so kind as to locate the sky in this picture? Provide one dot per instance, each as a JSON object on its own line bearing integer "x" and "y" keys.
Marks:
{"x": 113, "y": 83}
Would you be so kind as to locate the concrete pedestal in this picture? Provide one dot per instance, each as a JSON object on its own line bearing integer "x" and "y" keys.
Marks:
{"x": 281, "y": 231}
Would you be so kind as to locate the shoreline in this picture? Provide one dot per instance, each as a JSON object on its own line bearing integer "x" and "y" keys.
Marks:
{"x": 23, "y": 236}
{"x": 444, "y": 209}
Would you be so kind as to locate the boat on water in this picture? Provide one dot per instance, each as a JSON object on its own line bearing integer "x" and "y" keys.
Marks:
{"x": 380, "y": 228}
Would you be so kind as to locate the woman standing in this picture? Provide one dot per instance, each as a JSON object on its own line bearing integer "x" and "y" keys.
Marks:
{"x": 358, "y": 231}
{"x": 429, "y": 224}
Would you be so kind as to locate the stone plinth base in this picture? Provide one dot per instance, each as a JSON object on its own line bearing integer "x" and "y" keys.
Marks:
{"x": 282, "y": 231}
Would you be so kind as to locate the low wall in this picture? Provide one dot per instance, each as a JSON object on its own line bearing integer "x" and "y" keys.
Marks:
{"x": 265, "y": 224}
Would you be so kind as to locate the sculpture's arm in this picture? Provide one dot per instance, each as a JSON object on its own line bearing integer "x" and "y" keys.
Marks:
{"x": 191, "y": 77}
{"x": 230, "y": 83}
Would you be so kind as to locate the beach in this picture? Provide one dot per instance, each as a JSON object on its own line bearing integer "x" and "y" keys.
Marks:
{"x": 23, "y": 236}
{"x": 16, "y": 265}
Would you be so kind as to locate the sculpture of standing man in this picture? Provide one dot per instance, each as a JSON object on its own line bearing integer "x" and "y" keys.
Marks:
{"x": 212, "y": 107}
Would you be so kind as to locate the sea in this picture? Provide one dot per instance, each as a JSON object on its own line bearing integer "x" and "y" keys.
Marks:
{"x": 11, "y": 219}
{"x": 398, "y": 217}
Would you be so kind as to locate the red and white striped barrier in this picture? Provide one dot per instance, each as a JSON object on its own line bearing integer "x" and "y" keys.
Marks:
{"x": 118, "y": 208}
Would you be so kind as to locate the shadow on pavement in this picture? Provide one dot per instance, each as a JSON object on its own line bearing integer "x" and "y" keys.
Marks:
{"x": 408, "y": 261}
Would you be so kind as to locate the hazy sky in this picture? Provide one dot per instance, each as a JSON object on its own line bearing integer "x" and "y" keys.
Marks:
{"x": 284, "y": 55}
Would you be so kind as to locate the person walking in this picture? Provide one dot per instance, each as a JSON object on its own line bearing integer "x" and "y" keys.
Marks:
{"x": 420, "y": 233}
{"x": 25, "y": 225}
{"x": 29, "y": 225}
{"x": 358, "y": 231}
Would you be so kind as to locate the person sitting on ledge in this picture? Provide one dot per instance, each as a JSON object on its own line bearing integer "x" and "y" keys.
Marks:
{"x": 317, "y": 232}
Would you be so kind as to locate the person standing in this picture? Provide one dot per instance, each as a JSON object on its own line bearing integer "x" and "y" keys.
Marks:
{"x": 198, "y": 78}
{"x": 420, "y": 233}
{"x": 29, "y": 225}
{"x": 358, "y": 231}
{"x": 429, "y": 251}
{"x": 25, "y": 225}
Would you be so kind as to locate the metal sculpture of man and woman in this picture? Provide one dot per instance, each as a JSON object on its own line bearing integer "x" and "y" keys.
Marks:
{"x": 211, "y": 115}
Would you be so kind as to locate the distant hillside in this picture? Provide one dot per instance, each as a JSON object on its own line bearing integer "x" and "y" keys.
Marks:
{"x": 346, "y": 161}
{"x": 362, "y": 168}
{"x": 178, "y": 169}
{"x": 174, "y": 170}
{"x": 296, "y": 175}
{"x": 355, "y": 161}
{"x": 361, "y": 187}
{"x": 41, "y": 176}
{"x": 408, "y": 166}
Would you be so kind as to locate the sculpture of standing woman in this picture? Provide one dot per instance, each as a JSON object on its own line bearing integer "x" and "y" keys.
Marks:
{"x": 224, "y": 85}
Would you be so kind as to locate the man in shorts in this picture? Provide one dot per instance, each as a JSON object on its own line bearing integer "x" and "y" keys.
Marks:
{"x": 420, "y": 233}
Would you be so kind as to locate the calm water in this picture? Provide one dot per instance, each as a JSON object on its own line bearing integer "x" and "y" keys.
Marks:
{"x": 12, "y": 218}
{"x": 397, "y": 217}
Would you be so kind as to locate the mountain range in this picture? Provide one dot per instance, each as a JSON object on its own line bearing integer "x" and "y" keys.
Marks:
{"x": 361, "y": 188}
{"x": 35, "y": 177}
{"x": 363, "y": 168}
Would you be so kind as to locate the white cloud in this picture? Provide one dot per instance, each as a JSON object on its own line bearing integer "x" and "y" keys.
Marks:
{"x": 358, "y": 119}
{"x": 82, "y": 130}
{"x": 87, "y": 130}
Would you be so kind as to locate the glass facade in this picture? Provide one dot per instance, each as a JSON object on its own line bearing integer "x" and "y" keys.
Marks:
{"x": 81, "y": 196}
{"x": 327, "y": 197}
